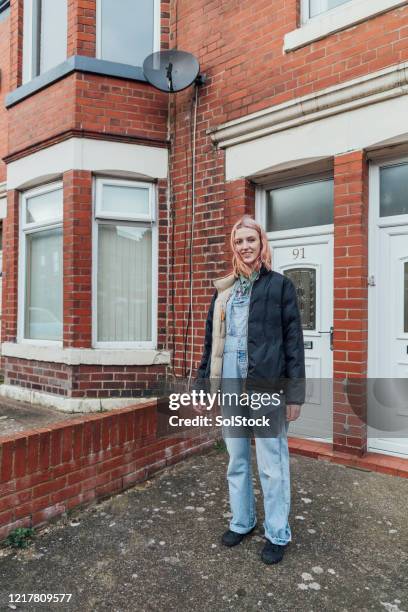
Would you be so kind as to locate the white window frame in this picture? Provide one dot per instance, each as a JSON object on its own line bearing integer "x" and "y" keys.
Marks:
{"x": 334, "y": 20}
{"x": 156, "y": 28}
{"x": 24, "y": 230}
{"x": 376, "y": 223}
{"x": 102, "y": 182}
{"x": 374, "y": 209}
{"x": 103, "y": 218}
{"x": 32, "y": 40}
{"x": 305, "y": 9}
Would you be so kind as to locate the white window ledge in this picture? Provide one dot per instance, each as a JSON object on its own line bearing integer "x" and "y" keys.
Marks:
{"x": 337, "y": 19}
{"x": 72, "y": 356}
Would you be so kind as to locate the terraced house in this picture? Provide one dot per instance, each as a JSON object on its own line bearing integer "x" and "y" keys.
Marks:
{"x": 119, "y": 197}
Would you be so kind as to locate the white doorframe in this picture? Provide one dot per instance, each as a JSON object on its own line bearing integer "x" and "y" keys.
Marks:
{"x": 375, "y": 256}
{"x": 310, "y": 234}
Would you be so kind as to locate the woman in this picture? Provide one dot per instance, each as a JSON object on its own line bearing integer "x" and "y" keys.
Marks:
{"x": 254, "y": 334}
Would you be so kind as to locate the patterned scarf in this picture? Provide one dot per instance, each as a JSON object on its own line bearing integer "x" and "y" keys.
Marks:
{"x": 245, "y": 283}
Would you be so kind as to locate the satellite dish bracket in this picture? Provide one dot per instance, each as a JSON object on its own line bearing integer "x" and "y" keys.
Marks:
{"x": 201, "y": 79}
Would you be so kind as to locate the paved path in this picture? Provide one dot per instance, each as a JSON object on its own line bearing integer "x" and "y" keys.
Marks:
{"x": 157, "y": 547}
{"x": 17, "y": 417}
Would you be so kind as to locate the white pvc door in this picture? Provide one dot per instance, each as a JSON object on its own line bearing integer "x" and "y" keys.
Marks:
{"x": 308, "y": 262}
{"x": 389, "y": 338}
{"x": 388, "y": 308}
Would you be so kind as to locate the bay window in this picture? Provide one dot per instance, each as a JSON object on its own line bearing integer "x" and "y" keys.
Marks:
{"x": 129, "y": 33}
{"x": 44, "y": 36}
{"x": 124, "y": 302}
{"x": 41, "y": 265}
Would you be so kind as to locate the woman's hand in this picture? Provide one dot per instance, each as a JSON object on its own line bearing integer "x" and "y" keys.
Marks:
{"x": 292, "y": 412}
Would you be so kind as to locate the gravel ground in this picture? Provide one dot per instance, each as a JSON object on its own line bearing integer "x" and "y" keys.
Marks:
{"x": 156, "y": 547}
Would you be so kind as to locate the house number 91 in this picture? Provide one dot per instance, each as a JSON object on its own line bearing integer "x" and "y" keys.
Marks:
{"x": 298, "y": 253}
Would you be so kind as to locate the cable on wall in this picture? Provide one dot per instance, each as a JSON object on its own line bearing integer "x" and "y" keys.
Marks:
{"x": 193, "y": 202}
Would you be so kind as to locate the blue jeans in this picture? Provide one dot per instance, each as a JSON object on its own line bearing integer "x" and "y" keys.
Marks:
{"x": 272, "y": 453}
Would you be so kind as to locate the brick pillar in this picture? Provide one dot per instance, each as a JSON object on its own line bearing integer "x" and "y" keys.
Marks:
{"x": 10, "y": 269}
{"x": 239, "y": 200}
{"x": 350, "y": 299}
{"x": 81, "y": 38}
{"x": 16, "y": 43}
{"x": 77, "y": 259}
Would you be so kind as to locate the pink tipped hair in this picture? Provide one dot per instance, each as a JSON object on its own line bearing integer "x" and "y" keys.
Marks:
{"x": 264, "y": 257}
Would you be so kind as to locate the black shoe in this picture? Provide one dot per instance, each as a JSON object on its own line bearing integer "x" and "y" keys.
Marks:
{"x": 272, "y": 553}
{"x": 232, "y": 538}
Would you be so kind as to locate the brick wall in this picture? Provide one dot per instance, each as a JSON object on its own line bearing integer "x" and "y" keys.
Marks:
{"x": 88, "y": 102}
{"x": 128, "y": 108}
{"x": 4, "y": 86}
{"x": 350, "y": 298}
{"x": 240, "y": 49}
{"x": 38, "y": 375}
{"x": 83, "y": 381}
{"x": 46, "y": 472}
{"x": 81, "y": 28}
{"x": 116, "y": 381}
{"x": 10, "y": 269}
{"x": 209, "y": 257}
{"x": 77, "y": 249}
{"x": 239, "y": 201}
{"x": 16, "y": 43}
{"x": 49, "y": 113}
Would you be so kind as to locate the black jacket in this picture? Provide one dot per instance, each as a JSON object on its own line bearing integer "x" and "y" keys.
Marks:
{"x": 275, "y": 337}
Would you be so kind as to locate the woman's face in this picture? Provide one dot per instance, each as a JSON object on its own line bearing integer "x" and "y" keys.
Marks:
{"x": 247, "y": 245}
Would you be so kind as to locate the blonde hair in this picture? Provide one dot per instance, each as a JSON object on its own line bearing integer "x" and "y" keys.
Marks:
{"x": 264, "y": 256}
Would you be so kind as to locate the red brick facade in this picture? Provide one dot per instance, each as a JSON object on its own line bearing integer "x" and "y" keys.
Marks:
{"x": 77, "y": 231}
{"x": 10, "y": 269}
{"x": 4, "y": 88}
{"x": 350, "y": 293}
{"x": 240, "y": 49}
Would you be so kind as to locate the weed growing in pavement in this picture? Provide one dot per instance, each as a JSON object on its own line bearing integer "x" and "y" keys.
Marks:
{"x": 219, "y": 446}
{"x": 20, "y": 537}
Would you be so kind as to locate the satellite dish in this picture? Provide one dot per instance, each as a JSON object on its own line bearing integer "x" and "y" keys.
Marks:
{"x": 171, "y": 71}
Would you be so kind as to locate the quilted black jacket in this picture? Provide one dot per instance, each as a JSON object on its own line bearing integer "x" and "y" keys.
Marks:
{"x": 275, "y": 337}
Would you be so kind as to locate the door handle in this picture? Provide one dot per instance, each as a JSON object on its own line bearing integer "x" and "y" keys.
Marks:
{"x": 331, "y": 332}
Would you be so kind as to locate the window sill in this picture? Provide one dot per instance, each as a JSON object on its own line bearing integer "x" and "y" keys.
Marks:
{"x": 76, "y": 63}
{"x": 73, "y": 356}
{"x": 337, "y": 19}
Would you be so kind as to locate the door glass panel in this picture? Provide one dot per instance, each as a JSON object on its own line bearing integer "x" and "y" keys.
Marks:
{"x": 406, "y": 297}
{"x": 393, "y": 190}
{"x": 304, "y": 280}
{"x": 297, "y": 206}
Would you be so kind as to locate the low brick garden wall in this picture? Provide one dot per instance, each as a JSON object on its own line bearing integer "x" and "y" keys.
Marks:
{"x": 46, "y": 472}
